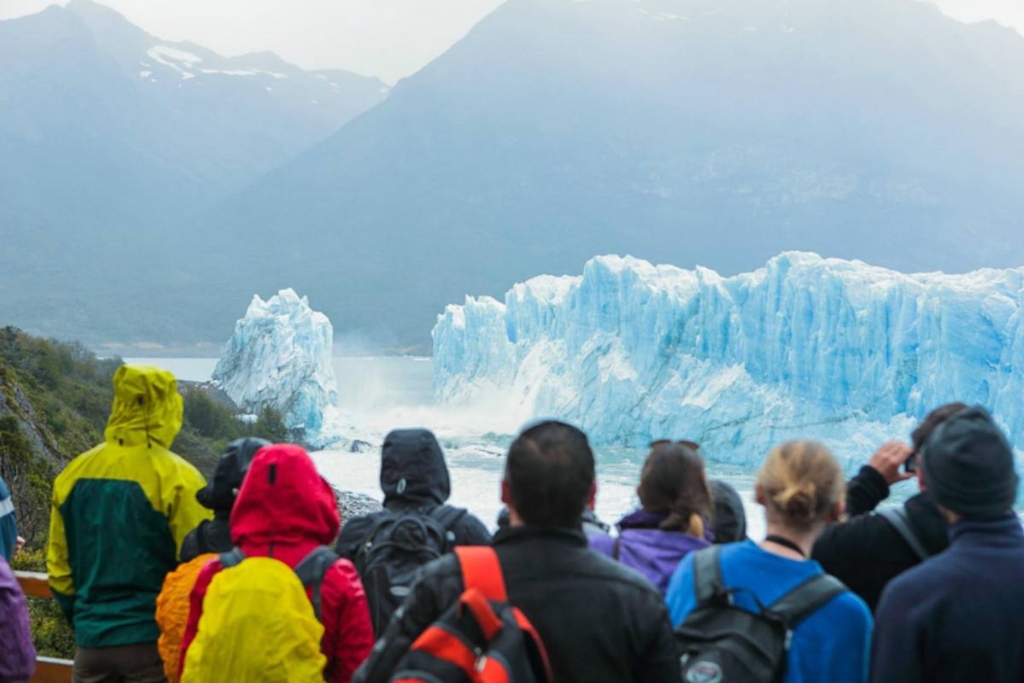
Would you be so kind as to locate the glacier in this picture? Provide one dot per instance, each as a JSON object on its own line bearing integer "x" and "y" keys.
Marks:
{"x": 280, "y": 356}
{"x": 805, "y": 347}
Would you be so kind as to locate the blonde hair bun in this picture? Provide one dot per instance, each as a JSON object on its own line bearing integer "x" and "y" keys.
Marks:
{"x": 802, "y": 481}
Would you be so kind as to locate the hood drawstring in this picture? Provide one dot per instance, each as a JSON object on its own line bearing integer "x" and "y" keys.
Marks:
{"x": 147, "y": 407}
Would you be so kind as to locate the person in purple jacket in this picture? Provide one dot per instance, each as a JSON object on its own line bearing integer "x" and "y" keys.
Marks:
{"x": 17, "y": 654}
{"x": 673, "y": 519}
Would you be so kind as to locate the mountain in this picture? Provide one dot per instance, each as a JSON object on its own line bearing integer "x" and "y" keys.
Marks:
{"x": 717, "y": 132}
{"x": 804, "y": 347}
{"x": 111, "y": 138}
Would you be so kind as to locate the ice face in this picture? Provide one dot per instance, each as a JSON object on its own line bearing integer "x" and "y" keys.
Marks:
{"x": 280, "y": 356}
{"x": 806, "y": 347}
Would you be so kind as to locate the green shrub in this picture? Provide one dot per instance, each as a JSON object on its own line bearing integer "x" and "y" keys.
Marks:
{"x": 51, "y": 633}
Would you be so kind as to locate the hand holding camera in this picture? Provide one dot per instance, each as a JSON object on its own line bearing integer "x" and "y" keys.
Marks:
{"x": 888, "y": 460}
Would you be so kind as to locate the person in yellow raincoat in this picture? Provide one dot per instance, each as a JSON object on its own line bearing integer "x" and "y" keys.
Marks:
{"x": 119, "y": 515}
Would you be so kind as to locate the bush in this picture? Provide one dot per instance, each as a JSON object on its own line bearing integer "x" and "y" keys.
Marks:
{"x": 51, "y": 633}
{"x": 209, "y": 418}
{"x": 270, "y": 426}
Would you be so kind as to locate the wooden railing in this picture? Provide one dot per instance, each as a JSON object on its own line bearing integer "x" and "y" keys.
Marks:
{"x": 48, "y": 669}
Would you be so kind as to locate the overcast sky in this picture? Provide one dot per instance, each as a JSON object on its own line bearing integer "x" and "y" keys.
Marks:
{"x": 385, "y": 38}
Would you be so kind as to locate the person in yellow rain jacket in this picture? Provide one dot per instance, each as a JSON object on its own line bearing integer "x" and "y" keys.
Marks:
{"x": 119, "y": 515}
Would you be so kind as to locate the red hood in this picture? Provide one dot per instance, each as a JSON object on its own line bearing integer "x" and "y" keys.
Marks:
{"x": 283, "y": 500}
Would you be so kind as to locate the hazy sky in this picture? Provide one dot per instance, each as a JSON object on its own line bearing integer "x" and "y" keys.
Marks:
{"x": 384, "y": 38}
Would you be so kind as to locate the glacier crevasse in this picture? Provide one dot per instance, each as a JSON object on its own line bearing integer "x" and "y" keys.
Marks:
{"x": 834, "y": 350}
{"x": 280, "y": 356}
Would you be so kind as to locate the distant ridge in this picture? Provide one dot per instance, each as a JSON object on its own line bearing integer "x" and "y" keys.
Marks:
{"x": 714, "y": 132}
{"x": 111, "y": 138}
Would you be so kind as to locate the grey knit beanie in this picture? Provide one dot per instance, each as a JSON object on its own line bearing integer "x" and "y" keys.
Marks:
{"x": 969, "y": 465}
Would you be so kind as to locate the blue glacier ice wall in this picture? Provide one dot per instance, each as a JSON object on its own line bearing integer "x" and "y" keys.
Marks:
{"x": 280, "y": 356}
{"x": 829, "y": 349}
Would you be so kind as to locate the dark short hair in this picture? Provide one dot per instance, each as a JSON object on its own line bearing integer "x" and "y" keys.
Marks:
{"x": 931, "y": 421}
{"x": 550, "y": 473}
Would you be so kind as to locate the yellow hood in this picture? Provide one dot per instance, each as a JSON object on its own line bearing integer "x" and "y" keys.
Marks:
{"x": 147, "y": 407}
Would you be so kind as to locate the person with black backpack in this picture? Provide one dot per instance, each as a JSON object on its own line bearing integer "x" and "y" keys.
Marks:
{"x": 416, "y": 526}
{"x": 759, "y": 612}
{"x": 596, "y": 619}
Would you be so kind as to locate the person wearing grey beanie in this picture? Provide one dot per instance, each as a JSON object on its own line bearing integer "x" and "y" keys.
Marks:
{"x": 969, "y": 466}
{"x": 958, "y": 617}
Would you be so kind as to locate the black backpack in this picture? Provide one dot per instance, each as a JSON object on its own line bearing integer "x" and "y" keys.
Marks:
{"x": 399, "y": 543}
{"x": 722, "y": 643}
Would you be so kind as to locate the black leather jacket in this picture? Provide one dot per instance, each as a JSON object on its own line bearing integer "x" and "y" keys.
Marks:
{"x": 599, "y": 621}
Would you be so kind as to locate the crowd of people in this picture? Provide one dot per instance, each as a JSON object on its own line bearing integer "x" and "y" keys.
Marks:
{"x": 254, "y": 577}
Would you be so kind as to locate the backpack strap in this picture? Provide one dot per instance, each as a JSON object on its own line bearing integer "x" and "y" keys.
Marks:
{"x": 805, "y": 599}
{"x": 311, "y": 572}
{"x": 707, "y": 574}
{"x": 897, "y": 517}
{"x": 447, "y": 515}
{"x": 482, "y": 570}
{"x": 232, "y": 558}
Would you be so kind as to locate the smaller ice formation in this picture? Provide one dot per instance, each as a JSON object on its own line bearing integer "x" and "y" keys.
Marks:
{"x": 834, "y": 350}
{"x": 280, "y": 356}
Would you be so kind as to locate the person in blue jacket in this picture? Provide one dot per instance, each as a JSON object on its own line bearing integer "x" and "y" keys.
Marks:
{"x": 8, "y": 523}
{"x": 802, "y": 490}
{"x": 959, "y": 616}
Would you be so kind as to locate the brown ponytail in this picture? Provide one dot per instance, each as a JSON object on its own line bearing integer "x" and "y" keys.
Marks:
{"x": 801, "y": 481}
{"x": 673, "y": 481}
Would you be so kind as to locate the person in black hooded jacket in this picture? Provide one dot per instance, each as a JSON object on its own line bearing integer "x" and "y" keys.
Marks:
{"x": 867, "y": 552}
{"x": 214, "y": 536}
{"x": 598, "y": 620}
{"x": 413, "y": 477}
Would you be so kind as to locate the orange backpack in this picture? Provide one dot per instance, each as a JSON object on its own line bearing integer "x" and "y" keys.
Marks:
{"x": 172, "y": 607}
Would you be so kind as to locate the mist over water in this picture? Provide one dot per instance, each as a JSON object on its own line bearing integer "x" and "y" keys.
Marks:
{"x": 379, "y": 393}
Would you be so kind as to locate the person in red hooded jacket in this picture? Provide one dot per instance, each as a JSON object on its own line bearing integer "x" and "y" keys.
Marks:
{"x": 285, "y": 510}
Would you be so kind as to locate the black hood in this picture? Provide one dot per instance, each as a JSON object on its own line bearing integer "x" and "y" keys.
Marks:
{"x": 219, "y": 494}
{"x": 730, "y": 519}
{"x": 412, "y": 468}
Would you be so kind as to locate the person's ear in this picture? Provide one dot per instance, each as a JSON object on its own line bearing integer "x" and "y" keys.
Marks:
{"x": 760, "y": 496}
{"x": 837, "y": 511}
{"x": 592, "y": 496}
{"x": 505, "y": 497}
{"x": 921, "y": 484}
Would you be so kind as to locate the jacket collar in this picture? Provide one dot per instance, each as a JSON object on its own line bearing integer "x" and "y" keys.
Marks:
{"x": 928, "y": 522}
{"x": 527, "y": 534}
{"x": 967, "y": 531}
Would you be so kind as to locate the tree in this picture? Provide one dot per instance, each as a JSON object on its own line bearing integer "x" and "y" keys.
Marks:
{"x": 270, "y": 426}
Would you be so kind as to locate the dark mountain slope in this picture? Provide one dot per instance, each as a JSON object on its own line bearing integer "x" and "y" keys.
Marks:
{"x": 682, "y": 131}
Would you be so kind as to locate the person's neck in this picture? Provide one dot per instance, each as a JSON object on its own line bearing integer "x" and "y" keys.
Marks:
{"x": 804, "y": 539}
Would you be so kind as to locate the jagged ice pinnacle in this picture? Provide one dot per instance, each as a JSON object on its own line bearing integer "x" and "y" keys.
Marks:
{"x": 834, "y": 350}
{"x": 280, "y": 356}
